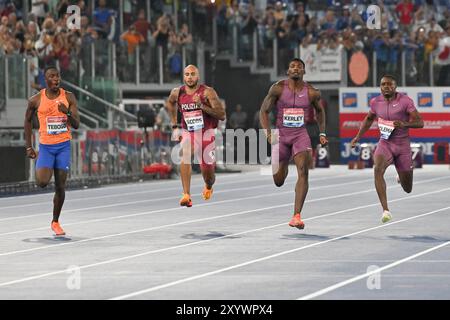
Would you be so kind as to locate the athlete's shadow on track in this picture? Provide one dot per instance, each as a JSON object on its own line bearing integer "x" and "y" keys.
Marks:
{"x": 303, "y": 236}
{"x": 415, "y": 238}
{"x": 207, "y": 236}
{"x": 50, "y": 240}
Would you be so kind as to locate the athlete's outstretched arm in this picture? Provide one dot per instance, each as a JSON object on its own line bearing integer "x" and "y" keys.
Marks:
{"x": 415, "y": 121}
{"x": 74, "y": 117}
{"x": 31, "y": 109}
{"x": 315, "y": 102}
{"x": 217, "y": 109}
{"x": 267, "y": 106}
{"x": 368, "y": 120}
{"x": 171, "y": 105}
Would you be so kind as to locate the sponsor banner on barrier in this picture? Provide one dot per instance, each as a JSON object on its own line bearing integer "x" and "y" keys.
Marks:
{"x": 349, "y": 154}
{"x": 322, "y": 65}
{"x": 435, "y": 125}
{"x": 425, "y": 99}
{"x": 120, "y": 152}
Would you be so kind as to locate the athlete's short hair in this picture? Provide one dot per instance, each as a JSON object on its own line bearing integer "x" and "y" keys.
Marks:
{"x": 51, "y": 67}
{"x": 390, "y": 76}
{"x": 298, "y": 60}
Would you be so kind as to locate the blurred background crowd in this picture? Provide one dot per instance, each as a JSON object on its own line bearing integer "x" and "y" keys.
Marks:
{"x": 417, "y": 27}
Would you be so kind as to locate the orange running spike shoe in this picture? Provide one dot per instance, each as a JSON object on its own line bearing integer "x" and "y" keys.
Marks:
{"x": 186, "y": 201}
{"x": 207, "y": 193}
{"x": 57, "y": 229}
{"x": 297, "y": 222}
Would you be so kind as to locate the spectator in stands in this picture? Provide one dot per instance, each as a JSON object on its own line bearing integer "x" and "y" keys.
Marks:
{"x": 356, "y": 19}
{"x": 442, "y": 52}
{"x": 200, "y": 15}
{"x": 161, "y": 35}
{"x": 32, "y": 31}
{"x": 248, "y": 26}
{"x": 5, "y": 23}
{"x": 222, "y": 23}
{"x": 6, "y": 10}
{"x": 44, "y": 46}
{"x": 39, "y": 8}
{"x": 432, "y": 25}
{"x": 329, "y": 21}
{"x": 381, "y": 47}
{"x": 61, "y": 8}
{"x": 142, "y": 25}
{"x": 185, "y": 37}
{"x": 344, "y": 21}
{"x": 61, "y": 52}
{"x": 238, "y": 118}
{"x": 283, "y": 33}
{"x": 279, "y": 13}
{"x": 395, "y": 46}
{"x": 133, "y": 39}
{"x": 163, "y": 121}
{"x": 88, "y": 33}
{"x": 12, "y": 20}
{"x": 103, "y": 19}
{"x": 300, "y": 28}
{"x": 83, "y": 8}
{"x": 405, "y": 13}
{"x": 410, "y": 47}
{"x": 445, "y": 20}
{"x": 19, "y": 32}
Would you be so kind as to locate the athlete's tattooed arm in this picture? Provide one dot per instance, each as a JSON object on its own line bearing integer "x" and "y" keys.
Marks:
{"x": 315, "y": 102}
{"x": 266, "y": 107}
{"x": 367, "y": 122}
{"x": 171, "y": 105}
{"x": 415, "y": 121}
{"x": 216, "y": 109}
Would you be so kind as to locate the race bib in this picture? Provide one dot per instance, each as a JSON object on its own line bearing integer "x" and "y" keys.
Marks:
{"x": 56, "y": 125}
{"x": 293, "y": 117}
{"x": 194, "y": 120}
{"x": 386, "y": 127}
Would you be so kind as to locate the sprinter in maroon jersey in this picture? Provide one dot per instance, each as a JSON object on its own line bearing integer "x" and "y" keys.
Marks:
{"x": 201, "y": 111}
{"x": 293, "y": 98}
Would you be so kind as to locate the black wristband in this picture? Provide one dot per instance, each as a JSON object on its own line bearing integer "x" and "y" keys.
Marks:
{"x": 175, "y": 126}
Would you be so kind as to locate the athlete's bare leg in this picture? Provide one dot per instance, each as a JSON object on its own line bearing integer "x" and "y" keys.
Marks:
{"x": 209, "y": 176}
{"x": 186, "y": 166}
{"x": 280, "y": 176}
{"x": 380, "y": 166}
{"x": 406, "y": 180}
{"x": 60, "y": 193}
{"x": 302, "y": 161}
{"x": 43, "y": 176}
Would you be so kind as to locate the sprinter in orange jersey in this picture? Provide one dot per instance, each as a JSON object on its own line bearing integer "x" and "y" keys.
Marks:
{"x": 57, "y": 112}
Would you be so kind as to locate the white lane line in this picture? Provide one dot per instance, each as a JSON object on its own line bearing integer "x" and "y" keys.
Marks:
{"x": 208, "y": 240}
{"x": 236, "y": 266}
{"x": 152, "y": 183}
{"x": 180, "y": 208}
{"x": 169, "y": 225}
{"x": 170, "y": 209}
{"x": 9, "y": 253}
{"x": 368, "y": 274}
{"x": 129, "y": 185}
{"x": 157, "y": 199}
{"x": 125, "y": 194}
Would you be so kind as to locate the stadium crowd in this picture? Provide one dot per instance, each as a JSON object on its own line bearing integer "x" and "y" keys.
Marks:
{"x": 420, "y": 28}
